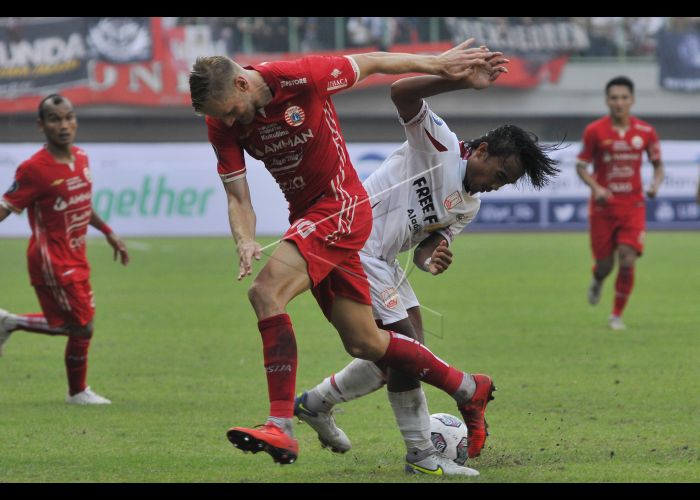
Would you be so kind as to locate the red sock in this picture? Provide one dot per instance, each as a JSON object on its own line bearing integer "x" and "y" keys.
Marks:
{"x": 623, "y": 289}
{"x": 280, "y": 353}
{"x": 413, "y": 358}
{"x": 77, "y": 363}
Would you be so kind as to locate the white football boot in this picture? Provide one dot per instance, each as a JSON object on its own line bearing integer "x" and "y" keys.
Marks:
{"x": 330, "y": 435}
{"x": 7, "y": 326}
{"x": 438, "y": 464}
{"x": 87, "y": 397}
{"x": 594, "y": 291}
{"x": 615, "y": 323}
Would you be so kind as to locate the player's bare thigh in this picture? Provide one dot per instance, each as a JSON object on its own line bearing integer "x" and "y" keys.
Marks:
{"x": 282, "y": 278}
{"x": 358, "y": 331}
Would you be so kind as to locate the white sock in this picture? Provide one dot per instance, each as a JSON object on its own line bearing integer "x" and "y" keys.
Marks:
{"x": 286, "y": 424}
{"x": 466, "y": 390}
{"x": 357, "y": 379}
{"x": 412, "y": 416}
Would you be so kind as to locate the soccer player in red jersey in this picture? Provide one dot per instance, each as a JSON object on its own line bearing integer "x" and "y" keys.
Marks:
{"x": 615, "y": 145}
{"x": 282, "y": 113}
{"x": 55, "y": 186}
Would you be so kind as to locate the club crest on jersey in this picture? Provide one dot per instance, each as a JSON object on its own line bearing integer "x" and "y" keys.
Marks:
{"x": 294, "y": 116}
{"x": 637, "y": 142}
{"x": 453, "y": 200}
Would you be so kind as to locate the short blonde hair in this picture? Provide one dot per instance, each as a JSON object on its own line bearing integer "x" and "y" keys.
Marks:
{"x": 211, "y": 78}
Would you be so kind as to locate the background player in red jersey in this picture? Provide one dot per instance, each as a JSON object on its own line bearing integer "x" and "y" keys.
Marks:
{"x": 56, "y": 187}
{"x": 615, "y": 144}
{"x": 281, "y": 113}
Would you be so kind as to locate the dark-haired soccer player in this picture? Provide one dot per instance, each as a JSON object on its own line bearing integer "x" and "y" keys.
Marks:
{"x": 617, "y": 213}
{"x": 55, "y": 186}
{"x": 282, "y": 113}
{"x": 423, "y": 195}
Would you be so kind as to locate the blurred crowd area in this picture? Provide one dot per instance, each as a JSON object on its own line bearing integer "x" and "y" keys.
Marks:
{"x": 589, "y": 36}
{"x": 585, "y": 37}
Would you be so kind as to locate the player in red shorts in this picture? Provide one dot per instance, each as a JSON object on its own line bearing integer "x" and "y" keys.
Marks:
{"x": 281, "y": 113}
{"x": 55, "y": 186}
{"x": 615, "y": 145}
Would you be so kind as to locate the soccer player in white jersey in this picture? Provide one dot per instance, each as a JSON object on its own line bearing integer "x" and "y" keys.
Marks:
{"x": 423, "y": 195}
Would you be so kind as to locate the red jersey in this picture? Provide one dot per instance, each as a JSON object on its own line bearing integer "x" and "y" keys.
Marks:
{"x": 617, "y": 157}
{"x": 58, "y": 197}
{"x": 296, "y": 135}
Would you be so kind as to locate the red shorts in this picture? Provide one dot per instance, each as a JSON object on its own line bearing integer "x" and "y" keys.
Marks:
{"x": 71, "y": 304}
{"x": 329, "y": 236}
{"x": 619, "y": 226}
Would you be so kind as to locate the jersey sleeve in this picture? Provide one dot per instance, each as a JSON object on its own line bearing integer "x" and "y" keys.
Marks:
{"x": 331, "y": 74}
{"x": 229, "y": 153}
{"x": 654, "y": 146}
{"x": 24, "y": 190}
{"x": 587, "y": 153}
{"x": 428, "y": 132}
{"x": 458, "y": 226}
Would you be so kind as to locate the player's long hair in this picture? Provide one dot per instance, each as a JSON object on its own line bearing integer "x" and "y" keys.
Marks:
{"x": 510, "y": 140}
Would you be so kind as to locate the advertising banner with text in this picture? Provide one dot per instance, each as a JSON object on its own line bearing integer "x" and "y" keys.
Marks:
{"x": 174, "y": 190}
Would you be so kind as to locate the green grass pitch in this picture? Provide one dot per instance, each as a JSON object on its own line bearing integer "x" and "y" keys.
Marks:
{"x": 177, "y": 350}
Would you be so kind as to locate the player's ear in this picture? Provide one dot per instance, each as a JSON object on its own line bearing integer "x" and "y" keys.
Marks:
{"x": 241, "y": 83}
{"x": 483, "y": 148}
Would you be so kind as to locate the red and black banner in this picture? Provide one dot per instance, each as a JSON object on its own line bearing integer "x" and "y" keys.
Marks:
{"x": 138, "y": 61}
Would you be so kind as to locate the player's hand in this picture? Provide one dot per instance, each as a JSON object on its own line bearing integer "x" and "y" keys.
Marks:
{"x": 651, "y": 192}
{"x": 247, "y": 251}
{"x": 461, "y": 61}
{"x": 441, "y": 259}
{"x": 601, "y": 195}
{"x": 119, "y": 248}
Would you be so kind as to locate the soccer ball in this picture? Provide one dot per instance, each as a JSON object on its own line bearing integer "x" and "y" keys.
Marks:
{"x": 449, "y": 436}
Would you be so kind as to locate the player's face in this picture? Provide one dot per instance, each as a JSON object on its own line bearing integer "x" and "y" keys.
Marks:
{"x": 487, "y": 173}
{"x": 60, "y": 123}
{"x": 620, "y": 100}
{"x": 237, "y": 106}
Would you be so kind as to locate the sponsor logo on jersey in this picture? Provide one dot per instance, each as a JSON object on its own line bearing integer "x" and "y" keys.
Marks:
{"x": 294, "y": 116}
{"x": 620, "y": 187}
{"x": 340, "y": 83}
{"x": 292, "y": 141}
{"x": 295, "y": 184}
{"x": 336, "y": 73}
{"x": 291, "y": 83}
{"x": 390, "y": 297}
{"x": 425, "y": 199}
{"x": 637, "y": 142}
{"x": 60, "y": 204}
{"x": 57, "y": 182}
{"x": 453, "y": 200}
{"x": 78, "y": 218}
{"x": 76, "y": 183}
{"x": 272, "y": 131}
{"x": 304, "y": 228}
{"x": 618, "y": 171}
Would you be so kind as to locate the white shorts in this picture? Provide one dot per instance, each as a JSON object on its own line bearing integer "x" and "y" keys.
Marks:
{"x": 391, "y": 292}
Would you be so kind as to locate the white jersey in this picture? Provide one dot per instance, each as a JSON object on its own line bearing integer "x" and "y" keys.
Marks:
{"x": 419, "y": 189}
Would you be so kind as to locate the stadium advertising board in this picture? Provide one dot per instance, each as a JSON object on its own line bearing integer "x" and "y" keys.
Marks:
{"x": 173, "y": 190}
{"x": 139, "y": 61}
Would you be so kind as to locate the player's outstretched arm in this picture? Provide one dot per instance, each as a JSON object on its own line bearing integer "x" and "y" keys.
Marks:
{"x": 242, "y": 219}
{"x": 114, "y": 241}
{"x": 600, "y": 193}
{"x": 658, "y": 179}
{"x": 408, "y": 93}
{"x": 453, "y": 64}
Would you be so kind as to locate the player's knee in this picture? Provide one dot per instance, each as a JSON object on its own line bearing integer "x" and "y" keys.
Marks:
{"x": 260, "y": 295}
{"x": 364, "y": 348}
{"x": 84, "y": 331}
